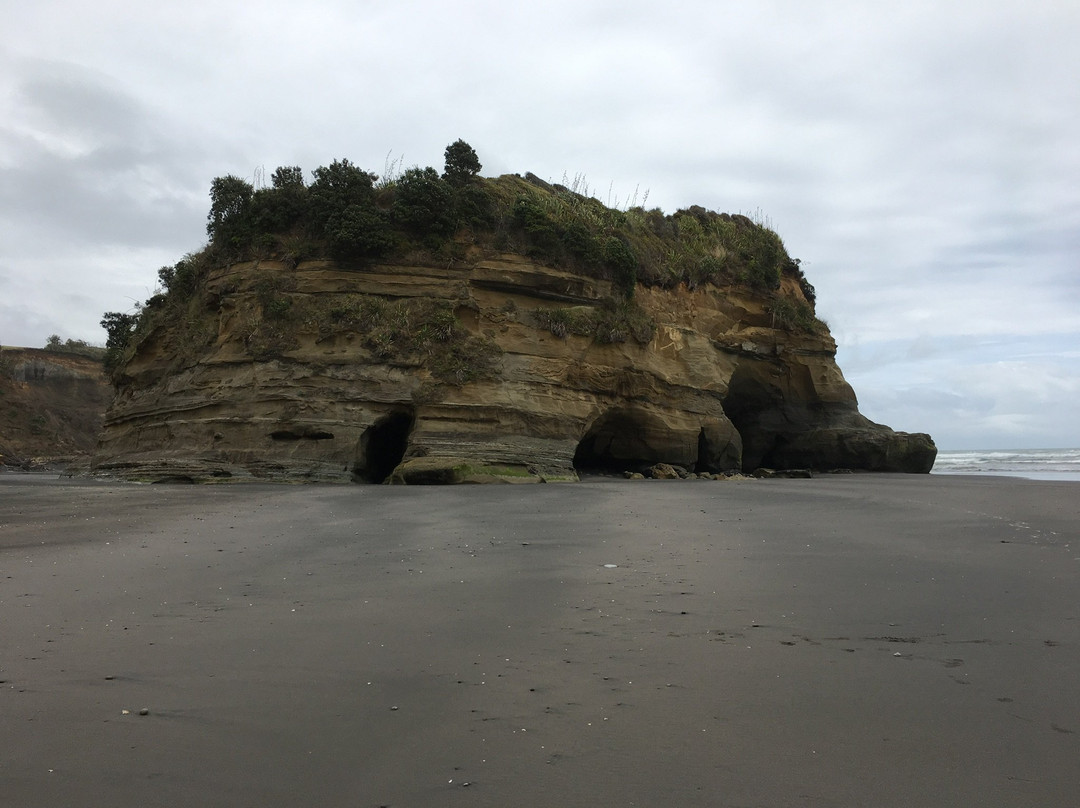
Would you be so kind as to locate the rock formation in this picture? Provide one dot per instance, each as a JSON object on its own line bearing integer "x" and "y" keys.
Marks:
{"x": 715, "y": 387}
{"x": 535, "y": 336}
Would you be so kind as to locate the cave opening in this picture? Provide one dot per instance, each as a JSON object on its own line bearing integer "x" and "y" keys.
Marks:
{"x": 750, "y": 405}
{"x": 702, "y": 465}
{"x": 382, "y": 446}
{"x": 615, "y": 442}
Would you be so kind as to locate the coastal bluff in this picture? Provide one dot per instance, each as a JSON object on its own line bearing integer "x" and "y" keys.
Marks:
{"x": 483, "y": 368}
{"x": 51, "y": 407}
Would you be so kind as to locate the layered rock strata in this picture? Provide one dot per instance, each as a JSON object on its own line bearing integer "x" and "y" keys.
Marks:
{"x": 299, "y": 373}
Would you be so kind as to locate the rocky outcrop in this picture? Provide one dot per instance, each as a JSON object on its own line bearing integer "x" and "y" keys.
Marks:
{"x": 51, "y": 407}
{"x": 494, "y": 367}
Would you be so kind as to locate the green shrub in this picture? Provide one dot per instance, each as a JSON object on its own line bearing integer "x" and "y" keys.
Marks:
{"x": 335, "y": 188}
{"x": 185, "y": 277}
{"x": 288, "y": 177}
{"x": 792, "y": 314}
{"x": 615, "y": 320}
{"x": 620, "y": 257}
{"x": 475, "y": 206}
{"x": 296, "y": 248}
{"x": 581, "y": 243}
{"x": 422, "y": 331}
{"x": 279, "y": 209}
{"x": 120, "y": 328}
{"x": 360, "y": 231}
{"x": 271, "y": 291}
{"x": 228, "y": 222}
{"x": 465, "y": 360}
{"x": 620, "y": 320}
{"x": 579, "y": 321}
{"x": 544, "y": 238}
{"x": 76, "y": 347}
{"x": 270, "y": 340}
{"x": 425, "y": 203}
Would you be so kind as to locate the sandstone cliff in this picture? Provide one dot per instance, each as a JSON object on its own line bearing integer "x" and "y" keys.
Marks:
{"x": 51, "y": 406}
{"x": 714, "y": 387}
{"x": 443, "y": 329}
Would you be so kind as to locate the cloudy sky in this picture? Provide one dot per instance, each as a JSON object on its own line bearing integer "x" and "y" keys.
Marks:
{"x": 921, "y": 158}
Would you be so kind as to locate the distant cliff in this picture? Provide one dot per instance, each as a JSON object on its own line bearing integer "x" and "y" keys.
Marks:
{"x": 533, "y": 334}
{"x": 51, "y": 406}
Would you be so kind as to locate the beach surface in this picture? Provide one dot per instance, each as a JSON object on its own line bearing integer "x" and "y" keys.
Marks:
{"x": 850, "y": 640}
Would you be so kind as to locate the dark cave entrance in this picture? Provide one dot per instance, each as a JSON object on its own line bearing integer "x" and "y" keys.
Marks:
{"x": 702, "y": 465}
{"x": 382, "y": 446}
{"x": 615, "y": 442}
{"x": 752, "y": 407}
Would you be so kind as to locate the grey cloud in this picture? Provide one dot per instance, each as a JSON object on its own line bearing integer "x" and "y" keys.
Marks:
{"x": 78, "y": 105}
{"x": 91, "y": 164}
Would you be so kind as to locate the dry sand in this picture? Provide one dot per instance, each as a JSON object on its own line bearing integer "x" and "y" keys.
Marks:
{"x": 868, "y": 640}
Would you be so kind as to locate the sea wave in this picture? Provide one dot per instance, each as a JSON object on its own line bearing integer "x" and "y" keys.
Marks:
{"x": 1041, "y": 464}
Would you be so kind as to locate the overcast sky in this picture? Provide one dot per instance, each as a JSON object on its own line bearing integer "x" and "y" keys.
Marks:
{"x": 921, "y": 158}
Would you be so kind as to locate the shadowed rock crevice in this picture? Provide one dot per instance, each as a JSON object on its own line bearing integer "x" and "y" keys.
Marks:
{"x": 620, "y": 440}
{"x": 753, "y": 405}
{"x": 703, "y": 452}
{"x": 382, "y": 446}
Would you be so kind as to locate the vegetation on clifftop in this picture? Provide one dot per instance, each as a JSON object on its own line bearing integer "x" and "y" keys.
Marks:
{"x": 76, "y": 347}
{"x": 350, "y": 214}
{"x": 355, "y": 216}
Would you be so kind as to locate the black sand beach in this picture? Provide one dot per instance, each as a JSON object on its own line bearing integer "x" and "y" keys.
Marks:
{"x": 866, "y": 640}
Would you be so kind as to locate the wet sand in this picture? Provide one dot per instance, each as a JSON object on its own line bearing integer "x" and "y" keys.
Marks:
{"x": 843, "y": 641}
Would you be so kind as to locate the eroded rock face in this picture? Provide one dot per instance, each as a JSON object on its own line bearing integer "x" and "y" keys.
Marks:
{"x": 312, "y": 380}
{"x": 51, "y": 407}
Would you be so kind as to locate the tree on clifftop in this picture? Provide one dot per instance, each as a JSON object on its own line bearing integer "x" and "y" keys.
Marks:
{"x": 462, "y": 164}
{"x": 337, "y": 186}
{"x": 230, "y": 198}
{"x": 120, "y": 327}
{"x": 341, "y": 206}
{"x": 288, "y": 177}
{"x": 426, "y": 203}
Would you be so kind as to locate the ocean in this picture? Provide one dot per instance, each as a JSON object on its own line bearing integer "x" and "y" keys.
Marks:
{"x": 1034, "y": 464}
